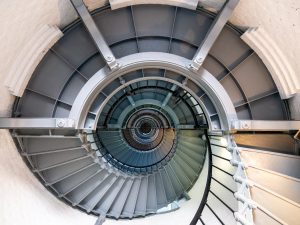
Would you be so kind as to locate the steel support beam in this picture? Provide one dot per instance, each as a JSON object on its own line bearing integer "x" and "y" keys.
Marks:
{"x": 95, "y": 33}
{"x": 265, "y": 125}
{"x": 207, "y": 82}
{"x": 169, "y": 95}
{"x": 100, "y": 220}
{"x": 37, "y": 123}
{"x": 130, "y": 99}
{"x": 212, "y": 35}
{"x": 114, "y": 126}
{"x": 185, "y": 127}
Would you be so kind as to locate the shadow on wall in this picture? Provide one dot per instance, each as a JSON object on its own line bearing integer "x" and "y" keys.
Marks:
{"x": 212, "y": 5}
{"x": 66, "y": 13}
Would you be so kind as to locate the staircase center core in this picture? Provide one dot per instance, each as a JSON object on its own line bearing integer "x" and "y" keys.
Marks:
{"x": 145, "y": 128}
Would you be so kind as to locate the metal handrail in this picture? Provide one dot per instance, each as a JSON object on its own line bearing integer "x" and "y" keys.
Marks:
{"x": 208, "y": 182}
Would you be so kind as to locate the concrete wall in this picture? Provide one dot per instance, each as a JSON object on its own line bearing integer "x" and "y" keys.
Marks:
{"x": 23, "y": 199}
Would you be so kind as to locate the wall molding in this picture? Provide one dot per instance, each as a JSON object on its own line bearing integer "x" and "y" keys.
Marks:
{"x": 284, "y": 76}
{"x": 95, "y": 4}
{"x": 29, "y": 57}
{"x": 189, "y": 4}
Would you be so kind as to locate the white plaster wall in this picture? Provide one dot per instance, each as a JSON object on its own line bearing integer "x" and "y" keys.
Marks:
{"x": 279, "y": 18}
{"x": 23, "y": 200}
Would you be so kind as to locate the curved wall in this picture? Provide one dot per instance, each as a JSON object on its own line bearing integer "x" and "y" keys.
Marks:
{"x": 25, "y": 199}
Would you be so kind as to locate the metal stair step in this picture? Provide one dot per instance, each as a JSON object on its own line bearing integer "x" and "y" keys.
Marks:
{"x": 220, "y": 151}
{"x": 184, "y": 180}
{"x": 208, "y": 217}
{"x": 160, "y": 191}
{"x": 193, "y": 140}
{"x": 43, "y": 162}
{"x": 191, "y": 133}
{"x": 129, "y": 207}
{"x": 151, "y": 199}
{"x": 105, "y": 203}
{"x": 70, "y": 183}
{"x": 194, "y": 155}
{"x": 118, "y": 204}
{"x": 141, "y": 202}
{"x": 190, "y": 173}
{"x": 221, "y": 210}
{"x": 90, "y": 201}
{"x": 80, "y": 192}
{"x": 58, "y": 174}
{"x": 224, "y": 178}
{"x": 223, "y": 193}
{"x": 169, "y": 189}
{"x": 199, "y": 149}
{"x": 196, "y": 166}
{"x": 178, "y": 187}
{"x": 223, "y": 164}
{"x": 38, "y": 144}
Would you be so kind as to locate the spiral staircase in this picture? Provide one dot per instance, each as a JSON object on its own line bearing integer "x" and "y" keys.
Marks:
{"x": 134, "y": 107}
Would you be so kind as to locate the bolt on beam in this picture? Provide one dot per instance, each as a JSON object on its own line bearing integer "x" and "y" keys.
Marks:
{"x": 37, "y": 123}
{"x": 95, "y": 33}
{"x": 213, "y": 33}
{"x": 265, "y": 125}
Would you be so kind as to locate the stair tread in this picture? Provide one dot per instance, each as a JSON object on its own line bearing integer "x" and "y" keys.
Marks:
{"x": 160, "y": 191}
{"x": 190, "y": 173}
{"x": 56, "y": 175}
{"x": 118, "y": 204}
{"x": 181, "y": 175}
{"x": 208, "y": 217}
{"x": 223, "y": 193}
{"x": 192, "y": 162}
{"x": 222, "y": 152}
{"x": 196, "y": 156}
{"x": 105, "y": 203}
{"x": 71, "y": 181}
{"x": 221, "y": 210}
{"x": 80, "y": 192}
{"x": 193, "y": 147}
{"x": 129, "y": 206}
{"x": 223, "y": 164}
{"x": 95, "y": 196}
{"x": 178, "y": 187}
{"x": 141, "y": 202}
{"x": 151, "y": 199}
{"x": 169, "y": 189}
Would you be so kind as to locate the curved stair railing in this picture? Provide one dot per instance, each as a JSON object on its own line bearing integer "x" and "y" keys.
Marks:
{"x": 226, "y": 188}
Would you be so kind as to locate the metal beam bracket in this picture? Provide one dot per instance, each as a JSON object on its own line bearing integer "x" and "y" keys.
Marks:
{"x": 96, "y": 35}
{"x": 37, "y": 123}
{"x": 264, "y": 125}
{"x": 212, "y": 35}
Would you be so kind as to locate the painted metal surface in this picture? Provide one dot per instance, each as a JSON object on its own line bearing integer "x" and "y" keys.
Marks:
{"x": 153, "y": 60}
{"x": 261, "y": 125}
{"x": 37, "y": 123}
{"x": 95, "y": 190}
{"x": 95, "y": 34}
{"x": 212, "y": 35}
